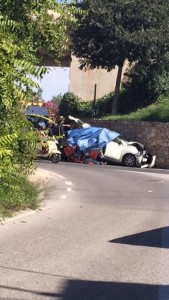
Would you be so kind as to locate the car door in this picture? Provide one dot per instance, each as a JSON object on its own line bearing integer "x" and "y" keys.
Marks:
{"x": 113, "y": 151}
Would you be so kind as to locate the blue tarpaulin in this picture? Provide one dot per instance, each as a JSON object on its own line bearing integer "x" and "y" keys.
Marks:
{"x": 91, "y": 138}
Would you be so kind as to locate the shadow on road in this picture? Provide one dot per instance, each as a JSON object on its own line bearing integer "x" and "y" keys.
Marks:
{"x": 76, "y": 289}
{"x": 97, "y": 290}
{"x": 153, "y": 238}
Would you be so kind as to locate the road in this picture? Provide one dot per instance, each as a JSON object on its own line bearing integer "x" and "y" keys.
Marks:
{"x": 103, "y": 234}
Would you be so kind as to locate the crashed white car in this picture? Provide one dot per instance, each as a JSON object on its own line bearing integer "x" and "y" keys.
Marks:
{"x": 116, "y": 150}
{"x": 129, "y": 154}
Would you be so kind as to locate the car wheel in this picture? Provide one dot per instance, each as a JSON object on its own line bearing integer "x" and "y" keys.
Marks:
{"x": 55, "y": 158}
{"x": 129, "y": 160}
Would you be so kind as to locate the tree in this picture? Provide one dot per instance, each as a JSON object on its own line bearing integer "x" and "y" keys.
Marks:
{"x": 57, "y": 99}
{"x": 113, "y": 31}
{"x": 147, "y": 80}
{"x": 25, "y": 26}
{"x": 38, "y": 94}
{"x": 69, "y": 104}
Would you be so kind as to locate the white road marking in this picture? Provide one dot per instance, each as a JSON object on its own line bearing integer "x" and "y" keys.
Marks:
{"x": 68, "y": 182}
{"x": 69, "y": 189}
{"x": 160, "y": 181}
{"x": 55, "y": 174}
{"x": 63, "y": 197}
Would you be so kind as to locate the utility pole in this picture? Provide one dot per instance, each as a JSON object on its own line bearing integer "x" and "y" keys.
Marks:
{"x": 94, "y": 99}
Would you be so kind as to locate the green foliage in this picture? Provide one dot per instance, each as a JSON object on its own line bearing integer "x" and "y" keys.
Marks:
{"x": 85, "y": 109}
{"x": 25, "y": 28}
{"x": 129, "y": 108}
{"x": 57, "y": 99}
{"x": 144, "y": 82}
{"x": 69, "y": 104}
{"x": 111, "y": 32}
{"x": 37, "y": 95}
{"x": 156, "y": 112}
{"x": 73, "y": 105}
{"x": 42, "y": 25}
{"x": 102, "y": 107}
{"x": 24, "y": 194}
{"x": 104, "y": 104}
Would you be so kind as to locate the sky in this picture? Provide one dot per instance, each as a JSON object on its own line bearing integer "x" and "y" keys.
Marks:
{"x": 55, "y": 82}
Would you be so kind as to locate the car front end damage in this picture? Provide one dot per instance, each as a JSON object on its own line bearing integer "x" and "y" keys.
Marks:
{"x": 143, "y": 158}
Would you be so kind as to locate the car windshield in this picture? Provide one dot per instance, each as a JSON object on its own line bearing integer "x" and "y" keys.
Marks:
{"x": 119, "y": 138}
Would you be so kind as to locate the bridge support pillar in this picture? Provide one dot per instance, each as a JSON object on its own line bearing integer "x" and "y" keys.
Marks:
{"x": 83, "y": 83}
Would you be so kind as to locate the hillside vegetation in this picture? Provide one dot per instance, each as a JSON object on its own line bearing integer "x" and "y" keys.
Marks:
{"x": 156, "y": 112}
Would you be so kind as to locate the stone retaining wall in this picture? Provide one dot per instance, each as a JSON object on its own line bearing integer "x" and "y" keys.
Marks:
{"x": 154, "y": 135}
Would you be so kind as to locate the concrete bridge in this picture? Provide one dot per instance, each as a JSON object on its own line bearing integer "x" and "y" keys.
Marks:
{"x": 85, "y": 84}
{"x": 88, "y": 84}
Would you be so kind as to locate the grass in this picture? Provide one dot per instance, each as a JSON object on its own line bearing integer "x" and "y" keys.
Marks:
{"x": 25, "y": 195}
{"x": 158, "y": 112}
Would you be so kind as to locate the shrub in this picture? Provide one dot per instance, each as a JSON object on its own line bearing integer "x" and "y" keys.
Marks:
{"x": 69, "y": 104}
{"x": 104, "y": 105}
{"x": 85, "y": 109}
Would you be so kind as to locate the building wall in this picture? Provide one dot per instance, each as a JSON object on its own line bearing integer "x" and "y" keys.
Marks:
{"x": 154, "y": 135}
{"x": 82, "y": 83}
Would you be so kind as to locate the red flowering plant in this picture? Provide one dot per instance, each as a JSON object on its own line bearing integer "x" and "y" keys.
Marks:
{"x": 52, "y": 107}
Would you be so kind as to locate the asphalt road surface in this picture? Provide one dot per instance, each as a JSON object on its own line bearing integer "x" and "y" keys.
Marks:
{"x": 103, "y": 234}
